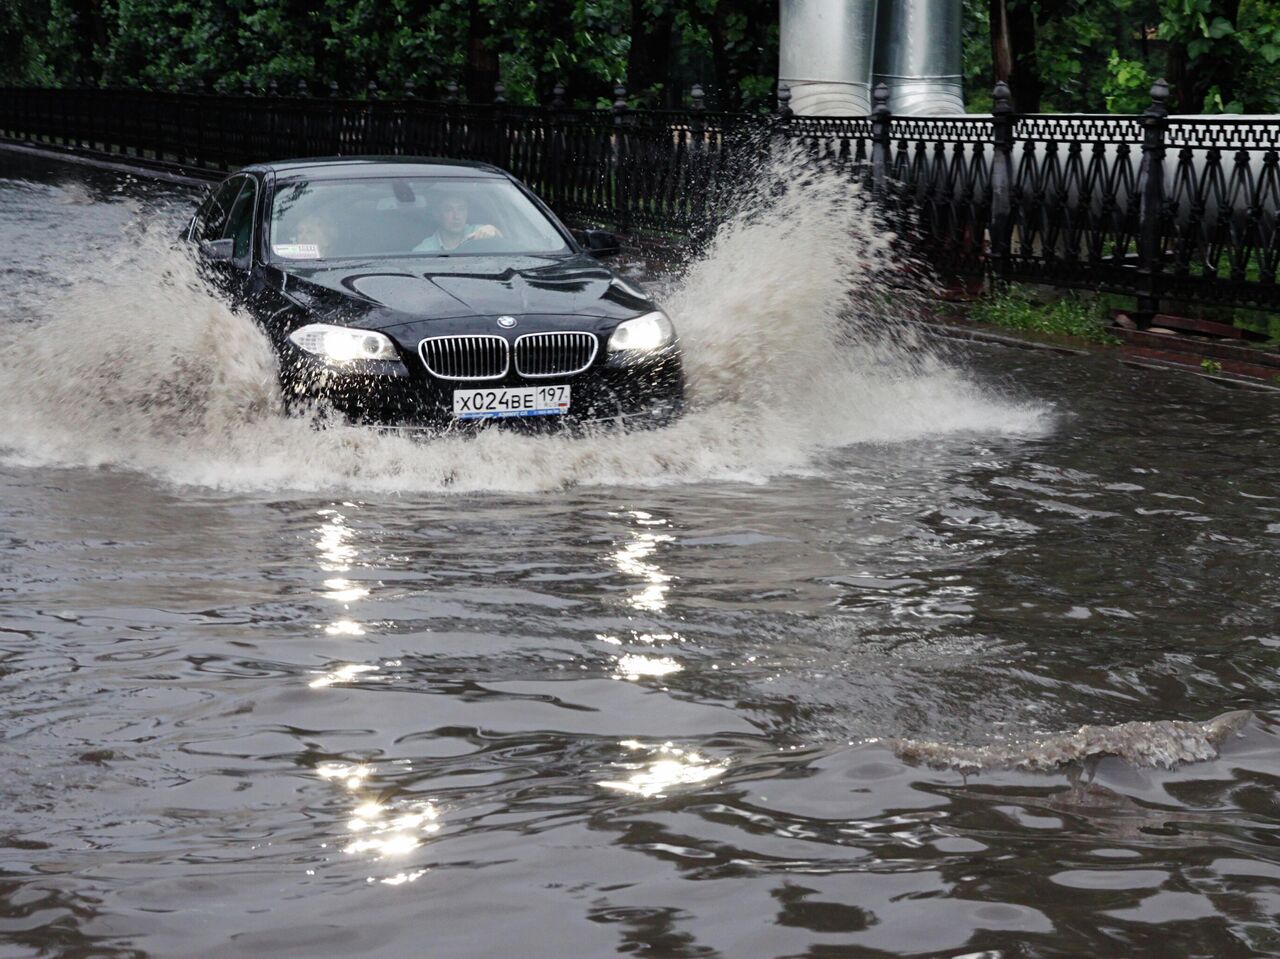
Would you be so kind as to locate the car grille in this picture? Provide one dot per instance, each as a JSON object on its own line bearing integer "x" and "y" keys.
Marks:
{"x": 554, "y": 354}
{"x": 475, "y": 357}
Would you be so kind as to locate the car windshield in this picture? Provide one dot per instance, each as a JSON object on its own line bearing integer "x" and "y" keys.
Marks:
{"x": 406, "y": 216}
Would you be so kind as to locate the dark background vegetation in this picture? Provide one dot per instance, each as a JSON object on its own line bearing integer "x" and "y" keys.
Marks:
{"x": 1058, "y": 55}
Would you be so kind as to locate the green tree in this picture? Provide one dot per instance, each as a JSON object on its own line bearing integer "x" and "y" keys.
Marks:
{"x": 1224, "y": 55}
{"x": 1057, "y": 55}
{"x": 23, "y": 57}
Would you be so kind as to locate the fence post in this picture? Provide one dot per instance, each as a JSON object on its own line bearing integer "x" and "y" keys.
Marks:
{"x": 370, "y": 136}
{"x": 553, "y": 175}
{"x": 331, "y": 122}
{"x": 273, "y": 120}
{"x": 252, "y": 126}
{"x": 499, "y": 155}
{"x": 699, "y": 163}
{"x": 409, "y": 141}
{"x": 782, "y": 121}
{"x": 881, "y": 139}
{"x": 1000, "y": 224}
{"x": 1155, "y": 121}
{"x": 621, "y": 196}
{"x": 453, "y": 139}
{"x": 202, "y": 113}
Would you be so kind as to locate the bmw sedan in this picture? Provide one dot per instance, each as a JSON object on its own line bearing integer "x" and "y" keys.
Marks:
{"x": 432, "y": 293}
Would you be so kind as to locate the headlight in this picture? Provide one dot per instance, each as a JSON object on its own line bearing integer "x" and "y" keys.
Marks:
{"x": 644, "y": 334}
{"x": 342, "y": 344}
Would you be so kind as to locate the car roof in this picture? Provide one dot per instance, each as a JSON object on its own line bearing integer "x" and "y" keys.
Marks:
{"x": 325, "y": 168}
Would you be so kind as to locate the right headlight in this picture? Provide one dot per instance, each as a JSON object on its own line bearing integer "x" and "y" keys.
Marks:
{"x": 644, "y": 334}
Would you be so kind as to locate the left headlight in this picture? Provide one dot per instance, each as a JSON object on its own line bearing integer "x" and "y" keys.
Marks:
{"x": 644, "y": 334}
{"x": 342, "y": 344}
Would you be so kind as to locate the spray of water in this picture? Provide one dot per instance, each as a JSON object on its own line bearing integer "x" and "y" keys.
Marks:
{"x": 785, "y": 325}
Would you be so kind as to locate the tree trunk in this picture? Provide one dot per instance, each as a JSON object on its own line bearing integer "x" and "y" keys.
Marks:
{"x": 1180, "y": 82}
{"x": 482, "y": 60}
{"x": 725, "y": 84}
{"x": 1013, "y": 52}
{"x": 1193, "y": 81}
{"x": 649, "y": 59}
{"x": 90, "y": 34}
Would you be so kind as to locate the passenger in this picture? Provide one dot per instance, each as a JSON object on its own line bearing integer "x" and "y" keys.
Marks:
{"x": 318, "y": 228}
{"x": 454, "y": 230}
{"x": 314, "y": 236}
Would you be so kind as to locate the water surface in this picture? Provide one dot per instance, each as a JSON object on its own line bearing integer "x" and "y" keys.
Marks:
{"x": 269, "y": 691}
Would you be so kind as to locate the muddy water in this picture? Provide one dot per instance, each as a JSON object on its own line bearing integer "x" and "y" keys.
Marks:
{"x": 803, "y": 675}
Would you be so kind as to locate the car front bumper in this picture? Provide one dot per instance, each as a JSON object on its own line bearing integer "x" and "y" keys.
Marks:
{"x": 646, "y": 391}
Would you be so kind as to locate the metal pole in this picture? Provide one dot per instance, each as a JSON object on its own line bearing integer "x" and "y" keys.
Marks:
{"x": 1003, "y": 119}
{"x": 881, "y": 138}
{"x": 1155, "y": 120}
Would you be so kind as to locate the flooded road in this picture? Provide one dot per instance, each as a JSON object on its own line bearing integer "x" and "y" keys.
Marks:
{"x": 787, "y": 679}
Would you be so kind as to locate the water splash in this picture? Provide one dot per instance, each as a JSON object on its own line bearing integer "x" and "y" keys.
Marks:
{"x": 784, "y": 322}
{"x": 1165, "y": 743}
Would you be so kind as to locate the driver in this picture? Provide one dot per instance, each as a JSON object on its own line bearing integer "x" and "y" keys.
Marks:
{"x": 454, "y": 228}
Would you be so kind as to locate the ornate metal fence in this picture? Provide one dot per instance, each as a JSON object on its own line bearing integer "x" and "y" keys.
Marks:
{"x": 1158, "y": 207}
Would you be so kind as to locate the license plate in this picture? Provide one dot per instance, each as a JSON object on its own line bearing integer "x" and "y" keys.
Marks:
{"x": 515, "y": 401}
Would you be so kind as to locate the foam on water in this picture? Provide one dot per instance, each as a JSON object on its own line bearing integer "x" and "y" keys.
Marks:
{"x": 1163, "y": 743}
{"x": 790, "y": 346}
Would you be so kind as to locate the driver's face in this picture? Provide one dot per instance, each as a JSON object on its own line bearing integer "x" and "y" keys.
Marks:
{"x": 453, "y": 215}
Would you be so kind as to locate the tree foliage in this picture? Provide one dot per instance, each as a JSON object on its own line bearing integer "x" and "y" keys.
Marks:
{"x": 1058, "y": 55}
{"x": 1102, "y": 55}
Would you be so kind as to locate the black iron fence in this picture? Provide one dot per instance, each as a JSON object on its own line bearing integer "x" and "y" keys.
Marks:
{"x": 1162, "y": 208}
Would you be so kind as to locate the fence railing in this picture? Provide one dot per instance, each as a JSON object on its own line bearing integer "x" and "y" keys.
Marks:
{"x": 1158, "y": 207}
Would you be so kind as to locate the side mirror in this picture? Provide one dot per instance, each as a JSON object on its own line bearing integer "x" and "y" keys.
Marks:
{"x": 218, "y": 251}
{"x": 599, "y": 243}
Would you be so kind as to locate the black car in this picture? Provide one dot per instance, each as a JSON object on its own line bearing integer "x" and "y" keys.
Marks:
{"x": 428, "y": 293}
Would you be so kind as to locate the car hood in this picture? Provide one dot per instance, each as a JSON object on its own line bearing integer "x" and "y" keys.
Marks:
{"x": 388, "y": 293}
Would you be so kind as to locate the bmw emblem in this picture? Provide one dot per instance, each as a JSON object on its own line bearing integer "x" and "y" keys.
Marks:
{"x": 506, "y": 322}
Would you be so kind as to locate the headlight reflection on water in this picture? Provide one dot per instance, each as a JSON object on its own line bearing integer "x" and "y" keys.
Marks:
{"x": 343, "y": 674}
{"x": 633, "y": 666}
{"x": 337, "y": 555}
{"x": 382, "y": 830}
{"x": 388, "y": 832}
{"x": 669, "y": 766}
{"x": 634, "y": 560}
{"x": 343, "y": 590}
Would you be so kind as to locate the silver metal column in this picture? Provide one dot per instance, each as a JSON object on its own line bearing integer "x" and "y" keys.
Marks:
{"x": 825, "y": 55}
{"x": 917, "y": 54}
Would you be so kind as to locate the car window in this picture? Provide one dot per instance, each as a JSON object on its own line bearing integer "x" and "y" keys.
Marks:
{"x": 240, "y": 223}
{"x": 212, "y": 215}
{"x": 407, "y": 216}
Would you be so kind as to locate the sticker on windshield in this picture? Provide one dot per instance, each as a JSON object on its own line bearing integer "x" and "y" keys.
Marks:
{"x": 296, "y": 251}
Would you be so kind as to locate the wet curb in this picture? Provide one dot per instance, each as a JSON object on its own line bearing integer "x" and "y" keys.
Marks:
{"x": 137, "y": 166}
{"x": 1133, "y": 355}
{"x": 957, "y": 329}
